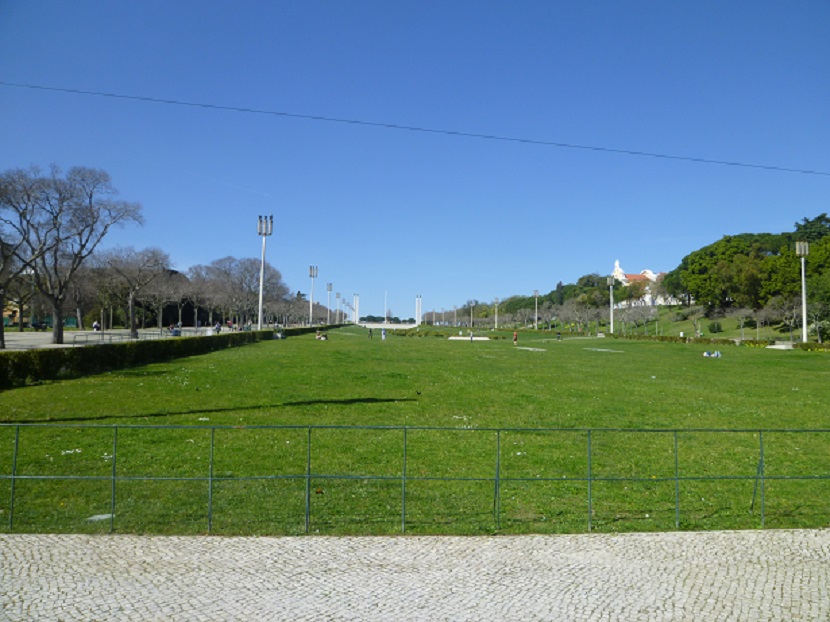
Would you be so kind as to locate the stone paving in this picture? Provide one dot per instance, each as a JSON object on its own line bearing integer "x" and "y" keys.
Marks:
{"x": 746, "y": 575}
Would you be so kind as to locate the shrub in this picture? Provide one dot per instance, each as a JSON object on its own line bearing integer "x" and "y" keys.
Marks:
{"x": 31, "y": 366}
{"x": 715, "y": 327}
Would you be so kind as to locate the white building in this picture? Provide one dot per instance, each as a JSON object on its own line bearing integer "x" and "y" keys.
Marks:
{"x": 649, "y": 279}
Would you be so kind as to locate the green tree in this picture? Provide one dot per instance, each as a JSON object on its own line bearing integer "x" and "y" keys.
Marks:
{"x": 813, "y": 229}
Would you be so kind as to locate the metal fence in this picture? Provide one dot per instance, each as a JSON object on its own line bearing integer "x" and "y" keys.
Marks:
{"x": 85, "y": 338}
{"x": 604, "y": 475}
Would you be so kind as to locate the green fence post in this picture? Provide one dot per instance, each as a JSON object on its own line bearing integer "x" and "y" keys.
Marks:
{"x": 112, "y": 491}
{"x": 676, "y": 485}
{"x": 210, "y": 480}
{"x": 308, "y": 483}
{"x": 14, "y": 475}
{"x": 403, "y": 484}
{"x": 763, "y": 481}
{"x": 497, "y": 491}
{"x": 590, "y": 483}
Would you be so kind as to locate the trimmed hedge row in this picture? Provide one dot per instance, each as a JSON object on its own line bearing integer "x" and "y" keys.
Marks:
{"x": 813, "y": 346}
{"x": 702, "y": 340}
{"x": 20, "y": 368}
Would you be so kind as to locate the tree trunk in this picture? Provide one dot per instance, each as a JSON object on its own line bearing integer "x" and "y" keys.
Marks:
{"x": 57, "y": 321}
{"x": 131, "y": 317}
{"x": 2, "y": 326}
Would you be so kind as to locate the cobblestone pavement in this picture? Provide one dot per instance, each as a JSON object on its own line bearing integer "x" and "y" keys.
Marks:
{"x": 747, "y": 575}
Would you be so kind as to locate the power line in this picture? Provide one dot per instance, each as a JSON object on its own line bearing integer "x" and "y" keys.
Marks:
{"x": 412, "y": 128}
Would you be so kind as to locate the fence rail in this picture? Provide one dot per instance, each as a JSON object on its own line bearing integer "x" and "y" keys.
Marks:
{"x": 528, "y": 479}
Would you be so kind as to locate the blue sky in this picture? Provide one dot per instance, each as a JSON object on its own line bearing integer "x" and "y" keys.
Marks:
{"x": 391, "y": 213}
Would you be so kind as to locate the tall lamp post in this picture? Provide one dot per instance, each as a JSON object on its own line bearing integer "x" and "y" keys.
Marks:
{"x": 337, "y": 315}
{"x": 328, "y": 304}
{"x": 611, "y": 310}
{"x": 265, "y": 227}
{"x": 536, "y": 316}
{"x": 496, "y": 305}
{"x": 801, "y": 249}
{"x": 312, "y": 272}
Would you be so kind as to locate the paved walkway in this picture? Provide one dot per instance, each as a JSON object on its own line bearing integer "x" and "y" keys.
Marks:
{"x": 748, "y": 575}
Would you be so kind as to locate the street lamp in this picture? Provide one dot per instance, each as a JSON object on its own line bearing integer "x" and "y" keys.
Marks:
{"x": 337, "y": 315}
{"x": 611, "y": 291}
{"x": 312, "y": 272}
{"x": 497, "y": 313}
{"x": 265, "y": 227}
{"x": 328, "y": 304}
{"x": 801, "y": 249}
{"x": 536, "y": 317}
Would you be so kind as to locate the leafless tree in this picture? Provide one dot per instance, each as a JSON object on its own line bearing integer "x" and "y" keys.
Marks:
{"x": 787, "y": 309}
{"x": 199, "y": 292}
{"x": 136, "y": 269}
{"x": 159, "y": 293}
{"x": 21, "y": 193}
{"x": 68, "y": 220}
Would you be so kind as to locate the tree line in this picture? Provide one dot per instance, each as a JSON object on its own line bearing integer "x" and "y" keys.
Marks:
{"x": 753, "y": 276}
{"x": 51, "y": 228}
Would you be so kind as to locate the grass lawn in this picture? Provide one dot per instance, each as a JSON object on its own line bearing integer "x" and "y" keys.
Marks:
{"x": 430, "y": 409}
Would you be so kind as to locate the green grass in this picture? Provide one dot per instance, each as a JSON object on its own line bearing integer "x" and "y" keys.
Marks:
{"x": 451, "y": 396}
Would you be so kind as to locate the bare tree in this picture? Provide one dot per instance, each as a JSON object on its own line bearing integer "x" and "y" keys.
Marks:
{"x": 787, "y": 309}
{"x": 136, "y": 269}
{"x": 70, "y": 217}
{"x": 199, "y": 292}
{"x": 20, "y": 197}
{"x": 81, "y": 291}
{"x": 159, "y": 293}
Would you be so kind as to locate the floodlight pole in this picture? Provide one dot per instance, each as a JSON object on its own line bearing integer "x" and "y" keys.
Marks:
{"x": 611, "y": 310}
{"x": 802, "y": 249}
{"x": 312, "y": 272}
{"x": 265, "y": 227}
{"x": 328, "y": 304}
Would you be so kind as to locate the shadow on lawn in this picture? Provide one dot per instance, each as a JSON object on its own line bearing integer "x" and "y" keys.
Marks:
{"x": 201, "y": 411}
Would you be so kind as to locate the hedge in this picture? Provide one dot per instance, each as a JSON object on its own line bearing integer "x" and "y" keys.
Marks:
{"x": 20, "y": 368}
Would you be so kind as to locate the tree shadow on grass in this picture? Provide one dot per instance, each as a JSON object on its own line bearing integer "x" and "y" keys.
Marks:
{"x": 204, "y": 411}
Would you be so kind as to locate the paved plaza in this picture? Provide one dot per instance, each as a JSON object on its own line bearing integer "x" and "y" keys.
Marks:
{"x": 745, "y": 575}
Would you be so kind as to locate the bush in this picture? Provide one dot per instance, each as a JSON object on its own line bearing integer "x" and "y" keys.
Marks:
{"x": 32, "y": 366}
{"x": 715, "y": 327}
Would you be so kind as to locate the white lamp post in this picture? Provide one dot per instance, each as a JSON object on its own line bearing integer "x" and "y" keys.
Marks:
{"x": 611, "y": 291}
{"x": 328, "y": 304}
{"x": 265, "y": 227}
{"x": 312, "y": 272}
{"x": 496, "y": 305}
{"x": 801, "y": 249}
{"x": 337, "y": 315}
